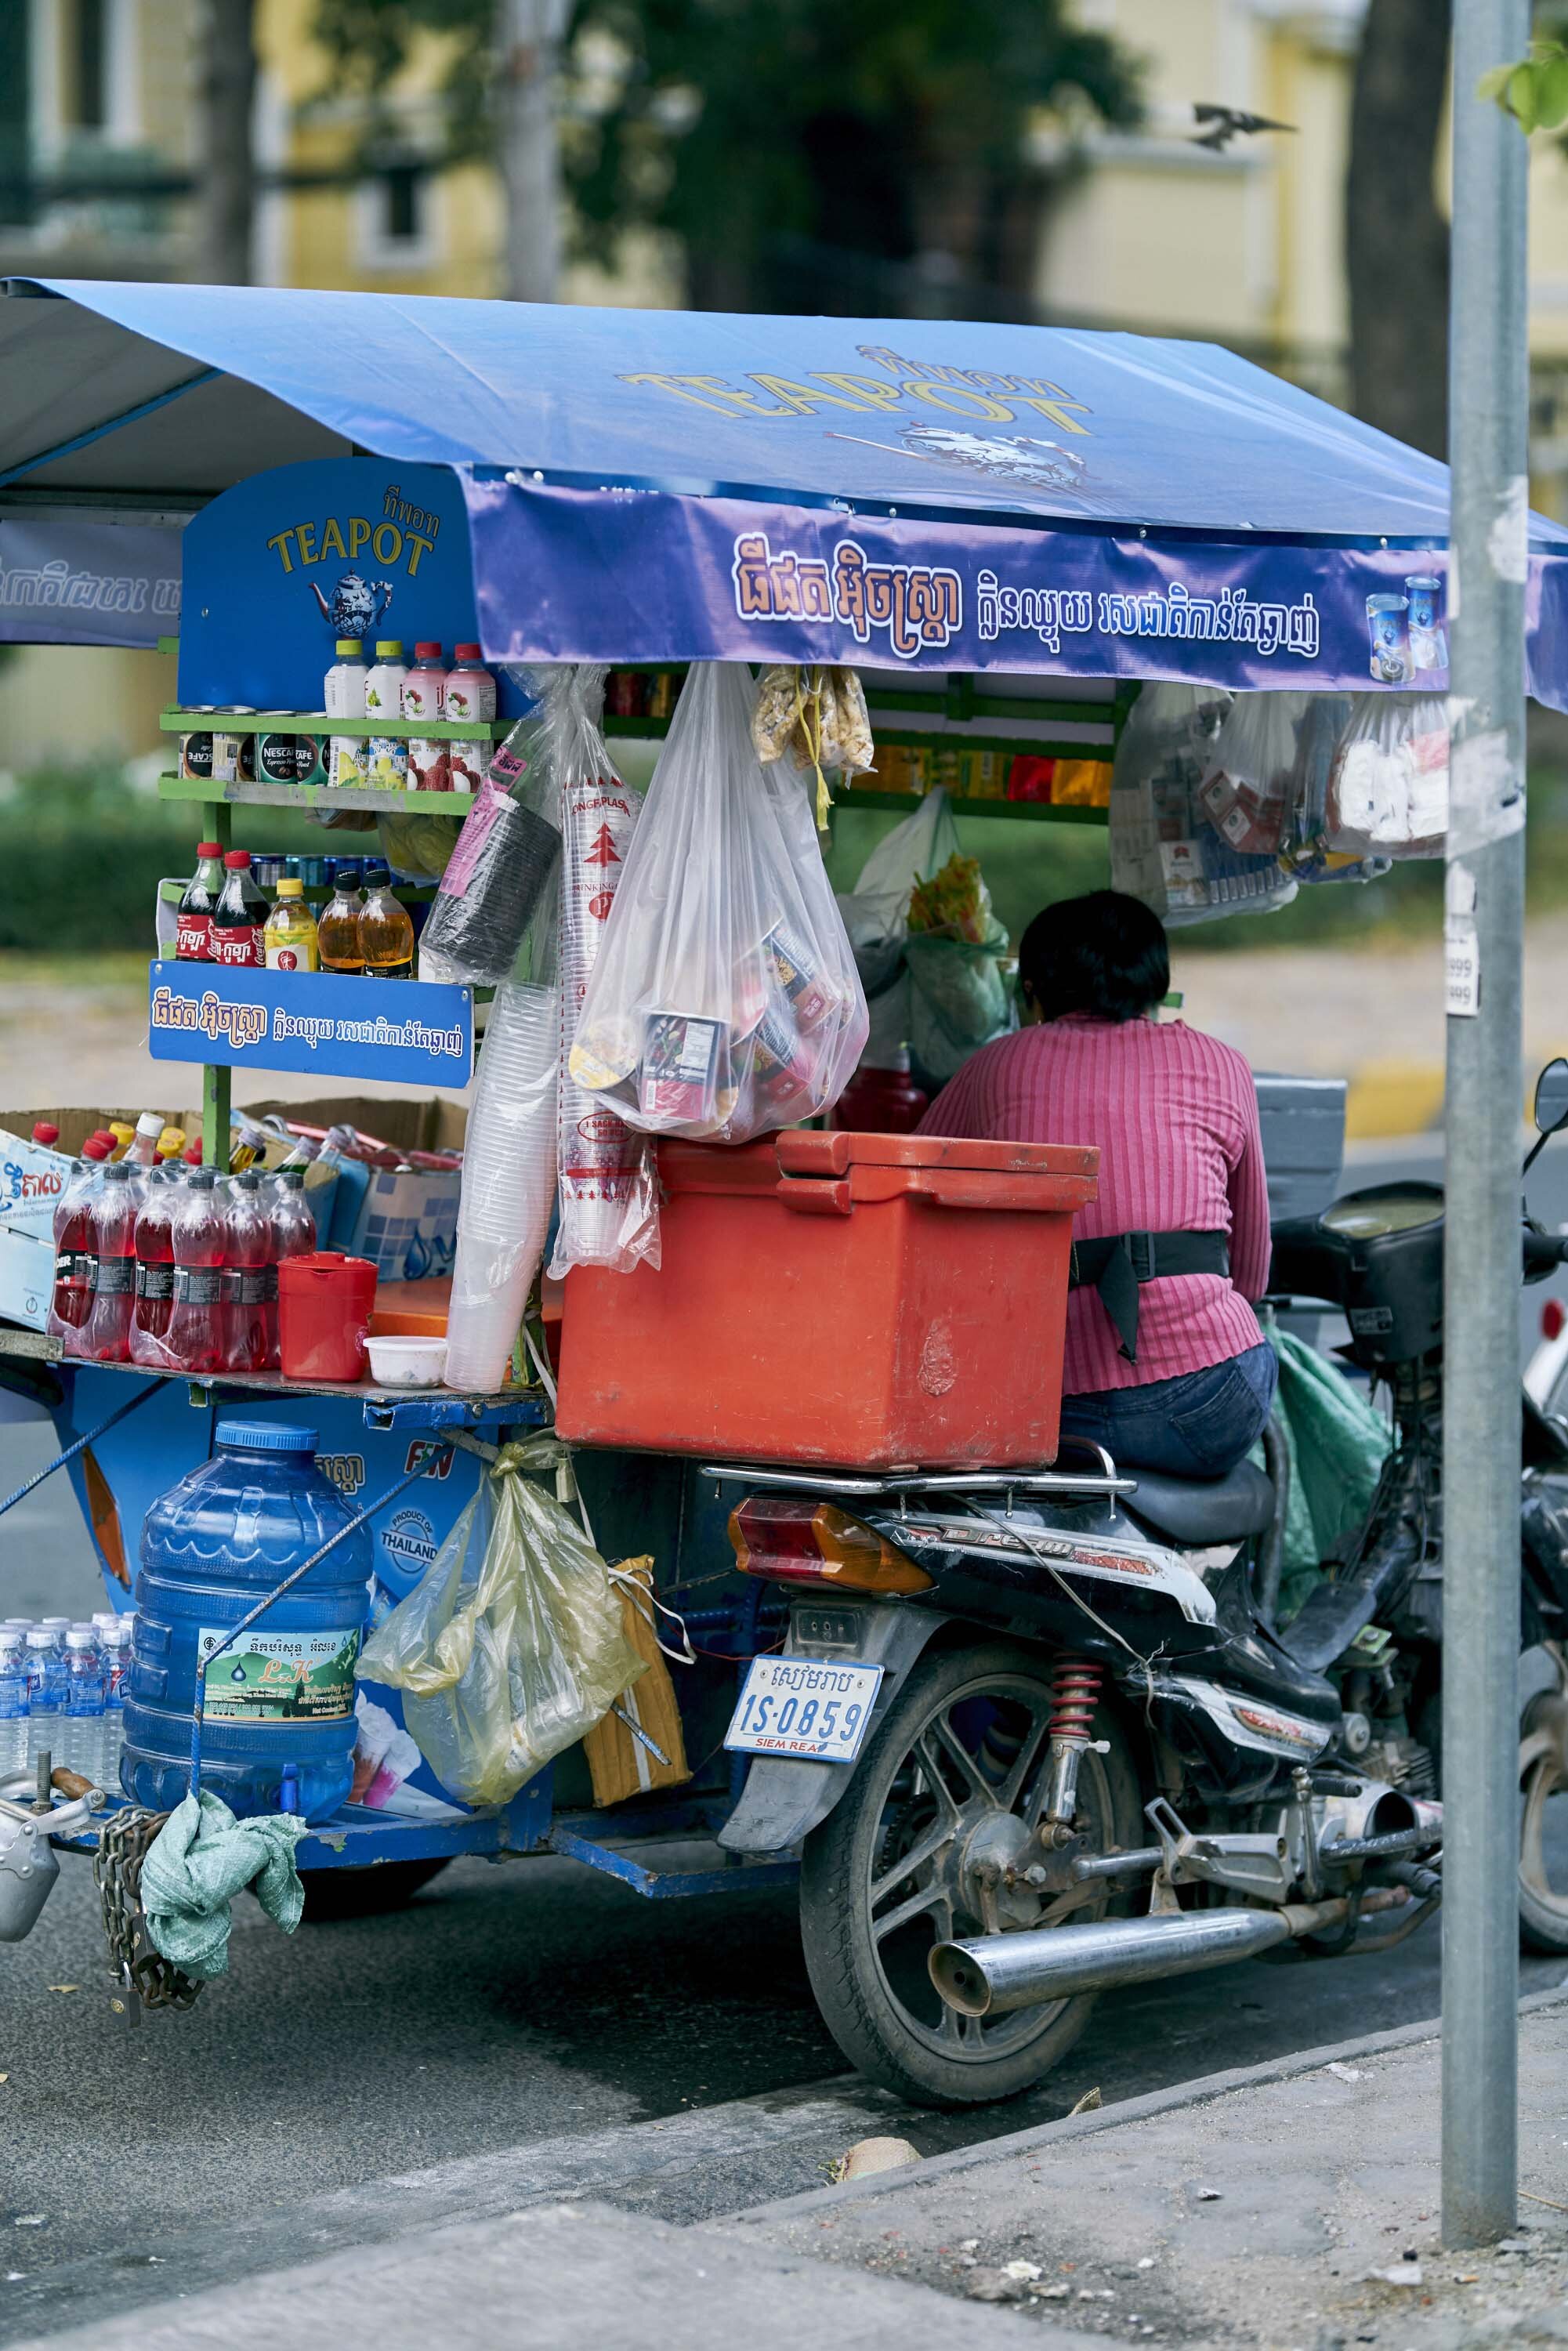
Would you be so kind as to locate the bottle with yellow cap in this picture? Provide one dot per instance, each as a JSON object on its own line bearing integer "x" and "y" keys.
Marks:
{"x": 124, "y": 1135}
{"x": 289, "y": 940}
{"x": 172, "y": 1143}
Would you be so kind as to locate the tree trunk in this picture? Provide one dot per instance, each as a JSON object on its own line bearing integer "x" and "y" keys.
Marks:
{"x": 1397, "y": 240}
{"x": 225, "y": 162}
{"x": 531, "y": 33}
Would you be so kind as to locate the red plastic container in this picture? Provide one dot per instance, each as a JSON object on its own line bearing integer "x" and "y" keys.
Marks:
{"x": 324, "y": 1303}
{"x": 875, "y": 1301}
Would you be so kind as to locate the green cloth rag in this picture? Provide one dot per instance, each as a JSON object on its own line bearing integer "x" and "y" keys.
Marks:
{"x": 1337, "y": 1444}
{"x": 199, "y": 1861}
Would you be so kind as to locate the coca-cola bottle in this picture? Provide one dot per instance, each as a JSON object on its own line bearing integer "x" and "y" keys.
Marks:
{"x": 106, "y": 1335}
{"x": 154, "y": 1270}
{"x": 72, "y": 1300}
{"x": 250, "y": 1280}
{"x": 192, "y": 941}
{"x": 239, "y": 919}
{"x": 196, "y": 1324}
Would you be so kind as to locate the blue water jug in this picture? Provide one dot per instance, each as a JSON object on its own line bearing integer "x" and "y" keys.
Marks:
{"x": 282, "y": 1699}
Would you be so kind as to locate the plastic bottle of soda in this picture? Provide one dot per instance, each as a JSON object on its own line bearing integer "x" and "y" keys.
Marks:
{"x": 191, "y": 935}
{"x": 106, "y": 1335}
{"x": 72, "y": 1300}
{"x": 239, "y": 919}
{"x": 338, "y": 928}
{"x": 250, "y": 1279}
{"x": 154, "y": 1270}
{"x": 386, "y": 930}
{"x": 143, "y": 1148}
{"x": 45, "y": 1134}
{"x": 196, "y": 1324}
{"x": 293, "y": 1226}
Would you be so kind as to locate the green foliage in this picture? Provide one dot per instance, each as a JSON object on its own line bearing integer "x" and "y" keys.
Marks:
{"x": 1535, "y": 90}
{"x": 742, "y": 125}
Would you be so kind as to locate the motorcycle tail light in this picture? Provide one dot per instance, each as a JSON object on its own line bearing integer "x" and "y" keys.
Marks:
{"x": 1554, "y": 1314}
{"x": 807, "y": 1542}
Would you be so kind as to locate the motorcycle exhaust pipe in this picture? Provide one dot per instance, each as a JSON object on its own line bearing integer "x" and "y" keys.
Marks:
{"x": 997, "y": 1973}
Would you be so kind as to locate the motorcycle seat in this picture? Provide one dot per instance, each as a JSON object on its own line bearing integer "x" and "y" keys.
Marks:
{"x": 1203, "y": 1509}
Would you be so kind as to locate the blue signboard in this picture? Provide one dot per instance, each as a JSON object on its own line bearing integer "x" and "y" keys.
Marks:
{"x": 404, "y": 1030}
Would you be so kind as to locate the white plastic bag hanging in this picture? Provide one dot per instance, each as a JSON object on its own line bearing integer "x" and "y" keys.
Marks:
{"x": 1389, "y": 782}
{"x": 1163, "y": 848}
{"x": 725, "y": 1002}
{"x": 605, "y": 1181}
{"x": 1246, "y": 792}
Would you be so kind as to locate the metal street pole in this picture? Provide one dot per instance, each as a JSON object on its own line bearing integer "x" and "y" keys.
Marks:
{"x": 1488, "y": 445}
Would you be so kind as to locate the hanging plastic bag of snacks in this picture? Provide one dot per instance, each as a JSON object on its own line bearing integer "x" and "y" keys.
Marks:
{"x": 1164, "y": 850}
{"x": 725, "y": 1002}
{"x": 1388, "y": 781}
{"x": 818, "y": 715}
{"x": 1246, "y": 794}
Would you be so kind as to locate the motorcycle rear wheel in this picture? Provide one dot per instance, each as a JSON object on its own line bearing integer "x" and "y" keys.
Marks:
{"x": 1543, "y": 1804}
{"x": 963, "y": 1750}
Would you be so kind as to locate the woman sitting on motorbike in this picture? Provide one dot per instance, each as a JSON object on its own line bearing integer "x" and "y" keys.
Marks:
{"x": 1165, "y": 1366}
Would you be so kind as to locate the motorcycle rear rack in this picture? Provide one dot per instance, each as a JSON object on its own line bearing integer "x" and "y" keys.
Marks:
{"x": 926, "y": 1481}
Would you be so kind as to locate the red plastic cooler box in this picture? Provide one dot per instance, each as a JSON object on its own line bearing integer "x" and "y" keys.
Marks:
{"x": 881, "y": 1301}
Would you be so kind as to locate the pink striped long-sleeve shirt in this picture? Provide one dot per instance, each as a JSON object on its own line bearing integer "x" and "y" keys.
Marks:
{"x": 1175, "y": 1114}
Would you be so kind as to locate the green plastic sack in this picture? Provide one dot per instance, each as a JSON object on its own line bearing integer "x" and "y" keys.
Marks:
{"x": 510, "y": 1648}
{"x": 1336, "y": 1444}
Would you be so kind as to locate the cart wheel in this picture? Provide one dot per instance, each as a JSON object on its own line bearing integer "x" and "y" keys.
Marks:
{"x": 954, "y": 1777}
{"x": 362, "y": 1893}
{"x": 1543, "y": 1804}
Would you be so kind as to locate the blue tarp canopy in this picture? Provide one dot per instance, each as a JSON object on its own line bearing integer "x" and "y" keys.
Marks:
{"x": 653, "y": 485}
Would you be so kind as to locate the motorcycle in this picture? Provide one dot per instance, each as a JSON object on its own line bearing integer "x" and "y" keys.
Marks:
{"x": 1038, "y": 1734}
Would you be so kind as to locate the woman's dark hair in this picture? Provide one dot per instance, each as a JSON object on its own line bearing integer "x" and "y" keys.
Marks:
{"x": 1104, "y": 953}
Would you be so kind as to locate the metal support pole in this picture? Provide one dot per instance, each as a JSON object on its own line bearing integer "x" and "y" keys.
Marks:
{"x": 1488, "y": 439}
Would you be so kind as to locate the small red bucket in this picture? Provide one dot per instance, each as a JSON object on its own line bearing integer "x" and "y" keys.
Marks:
{"x": 324, "y": 1303}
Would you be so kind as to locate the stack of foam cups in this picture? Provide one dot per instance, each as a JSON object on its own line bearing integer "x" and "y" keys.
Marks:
{"x": 508, "y": 1184}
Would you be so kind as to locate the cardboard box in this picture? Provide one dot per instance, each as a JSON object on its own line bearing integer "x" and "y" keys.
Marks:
{"x": 405, "y": 1222}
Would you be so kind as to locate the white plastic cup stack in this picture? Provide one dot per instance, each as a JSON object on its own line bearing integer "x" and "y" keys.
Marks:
{"x": 508, "y": 1186}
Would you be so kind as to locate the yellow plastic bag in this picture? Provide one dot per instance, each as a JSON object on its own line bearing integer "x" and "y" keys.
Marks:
{"x": 510, "y": 1648}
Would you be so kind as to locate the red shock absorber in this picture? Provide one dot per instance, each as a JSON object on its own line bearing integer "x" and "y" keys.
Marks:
{"x": 1076, "y": 1686}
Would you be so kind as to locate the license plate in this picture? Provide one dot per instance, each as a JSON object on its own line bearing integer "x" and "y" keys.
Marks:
{"x": 803, "y": 1705}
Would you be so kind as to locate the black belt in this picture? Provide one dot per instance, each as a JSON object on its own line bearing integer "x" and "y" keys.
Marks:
{"x": 1116, "y": 1264}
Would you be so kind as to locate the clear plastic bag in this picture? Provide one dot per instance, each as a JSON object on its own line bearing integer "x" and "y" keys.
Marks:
{"x": 1246, "y": 792}
{"x": 954, "y": 951}
{"x": 725, "y": 1002}
{"x": 606, "y": 1181}
{"x": 1163, "y": 848}
{"x": 1388, "y": 781}
{"x": 510, "y": 1648}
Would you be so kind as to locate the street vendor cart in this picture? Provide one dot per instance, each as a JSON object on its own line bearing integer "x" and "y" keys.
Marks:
{"x": 1006, "y": 530}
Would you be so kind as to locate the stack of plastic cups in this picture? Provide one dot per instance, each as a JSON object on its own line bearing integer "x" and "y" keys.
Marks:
{"x": 508, "y": 1186}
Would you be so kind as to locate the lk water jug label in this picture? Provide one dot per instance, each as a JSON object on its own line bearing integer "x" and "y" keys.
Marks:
{"x": 299, "y": 1677}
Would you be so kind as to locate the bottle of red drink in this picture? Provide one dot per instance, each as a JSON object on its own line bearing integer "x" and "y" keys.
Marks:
{"x": 106, "y": 1335}
{"x": 239, "y": 919}
{"x": 293, "y": 1231}
{"x": 155, "y": 1272}
{"x": 250, "y": 1280}
{"x": 192, "y": 941}
{"x": 196, "y": 1324}
{"x": 45, "y": 1134}
{"x": 72, "y": 1300}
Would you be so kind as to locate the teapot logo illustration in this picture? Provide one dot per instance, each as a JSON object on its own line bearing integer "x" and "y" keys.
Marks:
{"x": 357, "y": 604}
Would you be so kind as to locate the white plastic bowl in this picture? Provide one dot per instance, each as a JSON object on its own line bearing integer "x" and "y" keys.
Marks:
{"x": 407, "y": 1362}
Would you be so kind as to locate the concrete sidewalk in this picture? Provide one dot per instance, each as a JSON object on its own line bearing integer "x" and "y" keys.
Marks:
{"x": 1293, "y": 2207}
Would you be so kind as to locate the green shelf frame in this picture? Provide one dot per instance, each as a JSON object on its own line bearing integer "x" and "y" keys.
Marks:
{"x": 384, "y": 801}
{"x": 1031, "y": 812}
{"x": 315, "y": 722}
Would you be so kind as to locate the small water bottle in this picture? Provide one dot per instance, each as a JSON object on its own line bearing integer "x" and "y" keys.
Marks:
{"x": 83, "y": 1704}
{"x": 13, "y": 1705}
{"x": 116, "y": 1648}
{"x": 46, "y": 1694}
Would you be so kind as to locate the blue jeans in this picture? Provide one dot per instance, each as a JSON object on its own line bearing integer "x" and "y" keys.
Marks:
{"x": 1198, "y": 1425}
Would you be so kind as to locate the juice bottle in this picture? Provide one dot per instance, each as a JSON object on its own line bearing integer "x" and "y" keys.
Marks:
{"x": 383, "y": 699}
{"x": 204, "y": 888}
{"x": 72, "y": 1300}
{"x": 470, "y": 695}
{"x": 121, "y": 1134}
{"x": 424, "y": 696}
{"x": 338, "y": 929}
{"x": 154, "y": 1301}
{"x": 289, "y": 943}
{"x": 249, "y": 1281}
{"x": 106, "y": 1335}
{"x": 239, "y": 916}
{"x": 144, "y": 1142}
{"x": 386, "y": 931}
{"x": 197, "y": 1325}
{"x": 45, "y": 1134}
